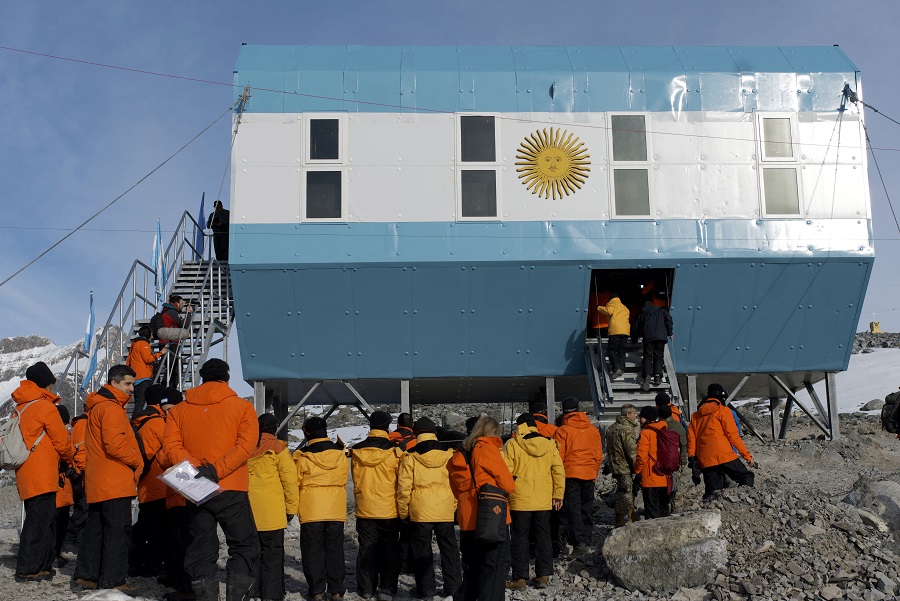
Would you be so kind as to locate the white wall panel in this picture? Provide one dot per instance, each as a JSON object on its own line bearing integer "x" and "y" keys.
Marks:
{"x": 826, "y": 200}
{"x": 393, "y": 140}
{"x": 407, "y": 193}
{"x": 269, "y": 140}
{"x": 675, "y": 190}
{"x": 266, "y": 195}
{"x": 729, "y": 191}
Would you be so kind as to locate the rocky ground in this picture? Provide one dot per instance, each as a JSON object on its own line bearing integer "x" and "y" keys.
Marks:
{"x": 793, "y": 536}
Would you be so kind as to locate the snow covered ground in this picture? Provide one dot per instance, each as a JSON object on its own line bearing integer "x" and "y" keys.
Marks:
{"x": 871, "y": 375}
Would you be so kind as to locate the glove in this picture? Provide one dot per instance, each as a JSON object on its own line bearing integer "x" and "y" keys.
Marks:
{"x": 754, "y": 464}
{"x": 207, "y": 471}
{"x": 290, "y": 517}
{"x": 636, "y": 481}
{"x": 607, "y": 470}
{"x": 692, "y": 461}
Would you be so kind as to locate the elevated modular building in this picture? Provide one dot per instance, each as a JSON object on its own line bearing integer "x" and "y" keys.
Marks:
{"x": 432, "y": 221}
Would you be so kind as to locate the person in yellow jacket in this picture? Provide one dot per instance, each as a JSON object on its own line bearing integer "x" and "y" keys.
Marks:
{"x": 274, "y": 495}
{"x": 619, "y": 331}
{"x": 535, "y": 464}
{"x": 424, "y": 497}
{"x": 375, "y": 463}
{"x": 322, "y": 470}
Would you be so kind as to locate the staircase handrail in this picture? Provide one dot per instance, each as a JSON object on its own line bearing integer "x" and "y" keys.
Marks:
{"x": 669, "y": 362}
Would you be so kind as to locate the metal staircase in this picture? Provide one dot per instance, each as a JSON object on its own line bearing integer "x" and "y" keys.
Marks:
{"x": 609, "y": 395}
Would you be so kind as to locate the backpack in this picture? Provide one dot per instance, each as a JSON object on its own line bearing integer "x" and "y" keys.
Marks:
{"x": 668, "y": 453}
{"x": 890, "y": 413}
{"x": 148, "y": 461}
{"x": 156, "y": 322}
{"x": 13, "y": 452}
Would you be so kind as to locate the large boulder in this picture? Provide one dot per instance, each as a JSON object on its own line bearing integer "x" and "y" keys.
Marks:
{"x": 881, "y": 498}
{"x": 667, "y": 553}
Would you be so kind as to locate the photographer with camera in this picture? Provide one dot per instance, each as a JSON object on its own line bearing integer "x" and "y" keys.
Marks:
{"x": 175, "y": 328}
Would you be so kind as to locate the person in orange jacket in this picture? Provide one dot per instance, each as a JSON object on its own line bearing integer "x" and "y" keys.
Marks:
{"x": 654, "y": 488}
{"x": 141, "y": 359}
{"x": 78, "y": 518}
{"x": 403, "y": 436}
{"x": 38, "y": 478}
{"x": 217, "y": 432}
{"x": 712, "y": 441}
{"x": 114, "y": 462}
{"x": 581, "y": 450}
{"x": 65, "y": 497}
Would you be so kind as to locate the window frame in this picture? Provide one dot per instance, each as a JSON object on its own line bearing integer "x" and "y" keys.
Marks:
{"x": 303, "y": 196}
{"x": 763, "y": 162}
{"x": 761, "y": 142}
{"x": 762, "y": 190}
{"x": 632, "y": 165}
{"x": 495, "y": 166}
{"x": 307, "y": 138}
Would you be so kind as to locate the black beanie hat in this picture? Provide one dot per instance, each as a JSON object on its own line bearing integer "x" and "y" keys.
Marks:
{"x": 315, "y": 427}
{"x": 268, "y": 423}
{"x": 569, "y": 404}
{"x": 716, "y": 391}
{"x": 214, "y": 370}
{"x": 525, "y": 418}
{"x": 40, "y": 374}
{"x": 662, "y": 399}
{"x": 649, "y": 413}
{"x": 424, "y": 425}
{"x": 537, "y": 407}
{"x": 155, "y": 394}
{"x": 172, "y": 396}
{"x": 380, "y": 420}
{"x": 64, "y": 413}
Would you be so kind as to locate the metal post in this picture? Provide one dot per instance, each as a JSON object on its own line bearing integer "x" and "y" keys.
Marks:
{"x": 405, "y": 405}
{"x": 774, "y": 403}
{"x": 691, "y": 395}
{"x": 832, "y": 400}
{"x": 259, "y": 397}
{"x": 551, "y": 400}
{"x": 296, "y": 409}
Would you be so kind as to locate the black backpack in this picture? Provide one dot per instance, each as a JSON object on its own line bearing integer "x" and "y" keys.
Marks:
{"x": 156, "y": 322}
{"x": 890, "y": 413}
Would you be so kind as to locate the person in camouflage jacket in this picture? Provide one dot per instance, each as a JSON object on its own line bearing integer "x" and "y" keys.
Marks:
{"x": 621, "y": 448}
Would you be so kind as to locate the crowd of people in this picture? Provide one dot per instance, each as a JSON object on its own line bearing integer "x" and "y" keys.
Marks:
{"x": 411, "y": 487}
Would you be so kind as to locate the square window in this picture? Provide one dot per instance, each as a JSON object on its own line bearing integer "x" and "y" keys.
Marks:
{"x": 479, "y": 193}
{"x": 629, "y": 134}
{"x": 323, "y": 194}
{"x": 477, "y": 143}
{"x": 323, "y": 139}
{"x": 782, "y": 197}
{"x": 777, "y": 138}
{"x": 632, "y": 190}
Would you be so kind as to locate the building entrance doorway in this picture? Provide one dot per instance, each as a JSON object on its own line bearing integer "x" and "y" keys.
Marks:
{"x": 633, "y": 286}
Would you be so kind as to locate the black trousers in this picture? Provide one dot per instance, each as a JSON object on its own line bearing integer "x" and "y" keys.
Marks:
{"x": 616, "y": 351}
{"x": 556, "y": 519}
{"x": 485, "y": 566}
{"x": 270, "y": 572}
{"x": 378, "y": 560}
{"x": 176, "y": 522}
{"x": 578, "y": 503}
{"x": 103, "y": 553}
{"x": 38, "y": 535}
{"x": 423, "y": 558}
{"x": 220, "y": 243}
{"x": 322, "y": 554}
{"x": 653, "y": 358}
{"x": 656, "y": 501}
{"x": 60, "y": 523}
{"x": 147, "y": 539}
{"x": 229, "y": 509}
{"x": 79, "y": 515}
{"x": 714, "y": 477}
{"x": 537, "y": 523}
{"x": 406, "y": 560}
{"x": 140, "y": 389}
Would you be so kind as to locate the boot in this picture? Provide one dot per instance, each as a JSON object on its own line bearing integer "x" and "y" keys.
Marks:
{"x": 206, "y": 590}
{"x": 621, "y": 520}
{"x": 516, "y": 585}
{"x": 237, "y": 587}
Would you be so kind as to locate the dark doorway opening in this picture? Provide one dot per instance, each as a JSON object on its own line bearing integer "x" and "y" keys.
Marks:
{"x": 634, "y": 287}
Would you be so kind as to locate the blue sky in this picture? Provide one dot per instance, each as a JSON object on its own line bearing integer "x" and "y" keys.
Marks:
{"x": 74, "y": 136}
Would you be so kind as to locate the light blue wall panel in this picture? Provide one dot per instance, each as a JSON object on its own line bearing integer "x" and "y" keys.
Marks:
{"x": 497, "y": 318}
{"x": 440, "y": 301}
{"x": 600, "y": 78}
{"x": 372, "y": 78}
{"x": 817, "y": 59}
{"x": 657, "y": 78}
{"x": 325, "y": 300}
{"x": 760, "y": 59}
{"x": 711, "y": 78}
{"x": 317, "y": 73}
{"x": 539, "y": 72}
{"x": 554, "y": 334}
{"x": 383, "y": 320}
{"x": 426, "y": 74}
{"x": 487, "y": 78}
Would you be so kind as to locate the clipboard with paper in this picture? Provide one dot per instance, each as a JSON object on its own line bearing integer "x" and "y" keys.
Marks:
{"x": 182, "y": 478}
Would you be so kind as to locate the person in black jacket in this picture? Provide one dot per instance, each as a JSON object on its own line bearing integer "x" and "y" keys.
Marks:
{"x": 654, "y": 325}
{"x": 218, "y": 223}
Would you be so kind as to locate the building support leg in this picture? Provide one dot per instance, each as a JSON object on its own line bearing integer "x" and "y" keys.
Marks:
{"x": 691, "y": 401}
{"x": 832, "y": 400}
{"x": 259, "y": 397}
{"x": 774, "y": 403}
{"x": 299, "y": 406}
{"x": 551, "y": 400}
{"x": 405, "y": 404}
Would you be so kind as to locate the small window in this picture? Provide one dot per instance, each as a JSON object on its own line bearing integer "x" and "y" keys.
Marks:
{"x": 777, "y": 142}
{"x": 323, "y": 194}
{"x": 780, "y": 186}
{"x": 629, "y": 135}
{"x": 479, "y": 193}
{"x": 477, "y": 144}
{"x": 632, "y": 192}
{"x": 323, "y": 139}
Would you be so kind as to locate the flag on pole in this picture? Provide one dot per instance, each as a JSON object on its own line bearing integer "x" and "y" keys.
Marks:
{"x": 90, "y": 347}
{"x": 198, "y": 243}
{"x": 159, "y": 265}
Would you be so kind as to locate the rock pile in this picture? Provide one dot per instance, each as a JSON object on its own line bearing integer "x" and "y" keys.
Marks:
{"x": 868, "y": 340}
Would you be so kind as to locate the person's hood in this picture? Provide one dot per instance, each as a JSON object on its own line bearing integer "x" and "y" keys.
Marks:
{"x": 616, "y": 302}
{"x": 139, "y": 339}
{"x": 708, "y": 407}
{"x": 532, "y": 442}
{"x": 372, "y": 456}
{"x": 152, "y": 411}
{"x": 168, "y": 306}
{"x": 577, "y": 419}
{"x": 490, "y": 440}
{"x": 268, "y": 443}
{"x": 327, "y": 460}
{"x": 106, "y": 394}
{"x": 657, "y": 425}
{"x": 650, "y": 309}
{"x": 624, "y": 421}
{"x": 209, "y": 393}
{"x": 405, "y": 432}
{"x": 29, "y": 391}
{"x": 432, "y": 458}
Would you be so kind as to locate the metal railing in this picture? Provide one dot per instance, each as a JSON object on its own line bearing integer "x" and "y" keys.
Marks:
{"x": 600, "y": 382}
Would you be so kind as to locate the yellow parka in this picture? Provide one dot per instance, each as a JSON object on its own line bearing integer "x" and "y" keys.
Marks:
{"x": 424, "y": 493}
{"x": 273, "y": 484}
{"x": 375, "y": 463}
{"x": 322, "y": 470}
{"x": 534, "y": 462}
{"x": 618, "y": 317}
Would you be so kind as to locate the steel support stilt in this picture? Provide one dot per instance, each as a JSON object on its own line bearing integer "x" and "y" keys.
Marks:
{"x": 551, "y": 400}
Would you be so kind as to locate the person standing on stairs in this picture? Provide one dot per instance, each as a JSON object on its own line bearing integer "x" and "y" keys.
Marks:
{"x": 619, "y": 330}
{"x": 621, "y": 448}
{"x": 218, "y": 223}
{"x": 141, "y": 359}
{"x": 654, "y": 326}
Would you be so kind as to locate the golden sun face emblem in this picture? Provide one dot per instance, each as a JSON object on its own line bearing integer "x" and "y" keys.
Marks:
{"x": 553, "y": 164}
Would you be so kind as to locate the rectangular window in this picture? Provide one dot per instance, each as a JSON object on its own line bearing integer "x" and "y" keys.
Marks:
{"x": 629, "y": 134}
{"x": 479, "y": 193}
{"x": 780, "y": 186}
{"x": 324, "y": 135}
{"x": 630, "y": 162}
{"x": 323, "y": 194}
{"x": 632, "y": 190}
{"x": 477, "y": 139}
{"x": 777, "y": 143}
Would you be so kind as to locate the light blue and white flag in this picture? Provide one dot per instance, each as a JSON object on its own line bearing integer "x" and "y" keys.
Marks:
{"x": 159, "y": 265}
{"x": 90, "y": 347}
{"x": 201, "y": 219}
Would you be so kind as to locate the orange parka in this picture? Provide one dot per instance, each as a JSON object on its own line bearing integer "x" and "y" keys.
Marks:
{"x": 712, "y": 435}
{"x": 463, "y": 488}
{"x": 79, "y": 430}
{"x": 40, "y": 472}
{"x": 646, "y": 456}
{"x": 113, "y": 458}
{"x": 151, "y": 426}
{"x": 490, "y": 468}
{"x": 141, "y": 358}
{"x": 543, "y": 425}
{"x": 213, "y": 425}
{"x": 580, "y": 446}
{"x": 404, "y": 438}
